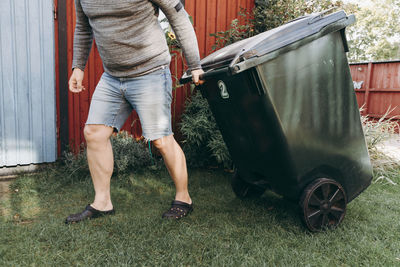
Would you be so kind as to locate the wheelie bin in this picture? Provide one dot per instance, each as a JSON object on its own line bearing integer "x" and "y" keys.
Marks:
{"x": 285, "y": 104}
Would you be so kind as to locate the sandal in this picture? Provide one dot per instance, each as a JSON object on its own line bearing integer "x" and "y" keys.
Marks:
{"x": 178, "y": 210}
{"x": 88, "y": 213}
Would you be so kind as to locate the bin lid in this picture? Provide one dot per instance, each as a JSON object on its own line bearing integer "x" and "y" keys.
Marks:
{"x": 272, "y": 40}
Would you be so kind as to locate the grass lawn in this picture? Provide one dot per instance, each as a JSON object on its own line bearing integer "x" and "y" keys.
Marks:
{"x": 222, "y": 230}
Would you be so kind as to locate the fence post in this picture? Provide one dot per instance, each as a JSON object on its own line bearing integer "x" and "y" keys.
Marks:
{"x": 367, "y": 87}
{"x": 62, "y": 86}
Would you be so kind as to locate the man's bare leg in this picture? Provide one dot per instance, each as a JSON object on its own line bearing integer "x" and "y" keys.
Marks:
{"x": 101, "y": 163}
{"x": 175, "y": 162}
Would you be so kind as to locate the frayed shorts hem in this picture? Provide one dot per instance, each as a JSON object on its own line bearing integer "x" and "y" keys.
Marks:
{"x": 116, "y": 128}
{"x": 148, "y": 138}
{"x": 156, "y": 137}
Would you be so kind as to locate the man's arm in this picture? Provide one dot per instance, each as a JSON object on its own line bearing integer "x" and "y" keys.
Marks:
{"x": 83, "y": 39}
{"x": 179, "y": 20}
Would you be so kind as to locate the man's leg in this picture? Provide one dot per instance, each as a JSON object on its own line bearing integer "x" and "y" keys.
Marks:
{"x": 175, "y": 162}
{"x": 101, "y": 163}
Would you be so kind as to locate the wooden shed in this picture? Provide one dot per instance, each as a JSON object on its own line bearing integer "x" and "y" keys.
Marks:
{"x": 27, "y": 81}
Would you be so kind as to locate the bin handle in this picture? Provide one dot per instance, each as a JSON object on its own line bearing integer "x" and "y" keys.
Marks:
{"x": 209, "y": 73}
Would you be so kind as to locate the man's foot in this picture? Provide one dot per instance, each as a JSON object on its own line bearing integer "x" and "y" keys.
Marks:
{"x": 88, "y": 213}
{"x": 178, "y": 210}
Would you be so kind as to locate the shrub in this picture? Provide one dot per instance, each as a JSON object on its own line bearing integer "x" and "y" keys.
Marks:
{"x": 203, "y": 144}
{"x": 376, "y": 131}
{"x": 75, "y": 165}
{"x": 130, "y": 154}
{"x": 269, "y": 14}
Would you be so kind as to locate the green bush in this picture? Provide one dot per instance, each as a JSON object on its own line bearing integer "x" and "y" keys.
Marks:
{"x": 75, "y": 165}
{"x": 269, "y": 14}
{"x": 377, "y": 131}
{"x": 130, "y": 154}
{"x": 203, "y": 144}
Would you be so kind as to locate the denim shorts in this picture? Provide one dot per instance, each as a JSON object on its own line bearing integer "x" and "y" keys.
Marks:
{"x": 150, "y": 95}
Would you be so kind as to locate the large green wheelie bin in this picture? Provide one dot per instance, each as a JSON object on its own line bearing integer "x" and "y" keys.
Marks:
{"x": 286, "y": 107}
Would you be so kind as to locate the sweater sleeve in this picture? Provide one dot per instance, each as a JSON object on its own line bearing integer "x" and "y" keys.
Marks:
{"x": 83, "y": 38}
{"x": 180, "y": 22}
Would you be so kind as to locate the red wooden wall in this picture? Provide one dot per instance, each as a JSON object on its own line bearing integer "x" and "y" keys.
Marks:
{"x": 209, "y": 16}
{"x": 380, "y": 89}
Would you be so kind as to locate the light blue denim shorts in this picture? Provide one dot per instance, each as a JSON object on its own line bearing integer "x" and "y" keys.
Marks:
{"x": 150, "y": 95}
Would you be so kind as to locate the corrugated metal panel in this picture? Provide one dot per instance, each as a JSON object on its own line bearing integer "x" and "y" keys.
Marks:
{"x": 27, "y": 96}
{"x": 209, "y": 16}
{"x": 377, "y": 87}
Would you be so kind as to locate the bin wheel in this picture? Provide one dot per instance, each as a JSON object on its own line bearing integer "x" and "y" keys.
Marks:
{"x": 243, "y": 189}
{"x": 323, "y": 204}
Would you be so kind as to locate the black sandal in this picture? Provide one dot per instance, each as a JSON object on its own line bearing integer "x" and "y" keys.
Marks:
{"x": 88, "y": 213}
{"x": 178, "y": 210}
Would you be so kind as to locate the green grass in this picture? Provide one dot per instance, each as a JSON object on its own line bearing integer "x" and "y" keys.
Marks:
{"x": 222, "y": 230}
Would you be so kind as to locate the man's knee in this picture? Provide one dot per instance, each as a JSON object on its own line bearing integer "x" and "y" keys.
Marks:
{"x": 97, "y": 133}
{"x": 163, "y": 143}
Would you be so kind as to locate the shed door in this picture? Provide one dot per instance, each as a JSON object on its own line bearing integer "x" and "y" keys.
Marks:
{"x": 27, "y": 82}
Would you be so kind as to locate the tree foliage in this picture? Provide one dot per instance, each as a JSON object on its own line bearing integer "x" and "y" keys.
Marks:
{"x": 376, "y": 35}
{"x": 203, "y": 144}
{"x": 269, "y": 14}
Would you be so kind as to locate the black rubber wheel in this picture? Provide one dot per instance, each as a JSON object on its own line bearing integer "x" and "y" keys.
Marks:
{"x": 243, "y": 189}
{"x": 323, "y": 204}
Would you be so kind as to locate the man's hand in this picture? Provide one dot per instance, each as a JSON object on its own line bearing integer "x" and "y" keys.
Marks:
{"x": 75, "y": 82}
{"x": 196, "y": 76}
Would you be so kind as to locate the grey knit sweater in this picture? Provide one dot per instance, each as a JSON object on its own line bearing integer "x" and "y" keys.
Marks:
{"x": 128, "y": 35}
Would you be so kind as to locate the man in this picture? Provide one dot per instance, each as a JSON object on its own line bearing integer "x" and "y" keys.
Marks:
{"x": 136, "y": 61}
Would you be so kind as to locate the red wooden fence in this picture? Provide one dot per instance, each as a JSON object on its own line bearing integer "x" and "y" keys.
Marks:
{"x": 209, "y": 16}
{"x": 379, "y": 90}
{"x": 377, "y": 86}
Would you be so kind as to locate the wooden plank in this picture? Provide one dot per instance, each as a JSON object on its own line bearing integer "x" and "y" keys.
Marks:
{"x": 371, "y": 90}
{"x": 211, "y": 23}
{"x": 190, "y": 6}
{"x": 62, "y": 76}
{"x": 367, "y": 85}
{"x": 58, "y": 71}
{"x": 221, "y": 15}
{"x": 200, "y": 18}
{"x": 74, "y": 143}
{"x": 231, "y": 11}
